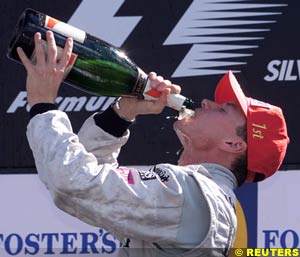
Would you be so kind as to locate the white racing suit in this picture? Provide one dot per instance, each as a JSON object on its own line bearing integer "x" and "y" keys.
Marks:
{"x": 156, "y": 209}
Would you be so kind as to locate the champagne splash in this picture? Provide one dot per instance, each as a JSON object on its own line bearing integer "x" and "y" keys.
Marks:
{"x": 180, "y": 150}
{"x": 172, "y": 117}
{"x": 184, "y": 113}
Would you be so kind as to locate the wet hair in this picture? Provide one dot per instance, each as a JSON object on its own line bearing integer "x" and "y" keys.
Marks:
{"x": 240, "y": 165}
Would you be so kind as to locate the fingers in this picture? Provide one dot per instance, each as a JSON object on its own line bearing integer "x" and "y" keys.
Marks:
{"x": 152, "y": 75}
{"x": 39, "y": 51}
{"x": 175, "y": 89}
{"x": 39, "y": 54}
{"x": 163, "y": 100}
{"x": 52, "y": 54}
{"x": 52, "y": 49}
{"x": 26, "y": 62}
{"x": 66, "y": 54}
{"x": 159, "y": 83}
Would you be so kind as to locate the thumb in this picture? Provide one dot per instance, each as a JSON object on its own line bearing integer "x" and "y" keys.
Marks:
{"x": 163, "y": 99}
{"x": 156, "y": 106}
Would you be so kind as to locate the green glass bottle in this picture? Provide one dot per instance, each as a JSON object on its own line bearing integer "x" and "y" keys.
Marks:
{"x": 95, "y": 67}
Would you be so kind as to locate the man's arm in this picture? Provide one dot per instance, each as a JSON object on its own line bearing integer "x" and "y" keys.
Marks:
{"x": 103, "y": 134}
{"x": 100, "y": 194}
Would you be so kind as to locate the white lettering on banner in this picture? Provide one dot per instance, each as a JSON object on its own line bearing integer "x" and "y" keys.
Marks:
{"x": 286, "y": 239}
{"x": 34, "y": 226}
{"x": 90, "y": 243}
{"x": 283, "y": 70}
{"x": 19, "y": 102}
{"x": 67, "y": 104}
{"x": 220, "y": 35}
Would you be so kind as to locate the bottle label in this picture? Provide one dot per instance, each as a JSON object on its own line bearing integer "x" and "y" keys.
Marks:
{"x": 140, "y": 84}
{"x": 59, "y": 54}
{"x": 150, "y": 93}
{"x": 65, "y": 29}
{"x": 175, "y": 101}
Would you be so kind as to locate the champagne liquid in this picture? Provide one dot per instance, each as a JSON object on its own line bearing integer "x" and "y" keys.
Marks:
{"x": 184, "y": 113}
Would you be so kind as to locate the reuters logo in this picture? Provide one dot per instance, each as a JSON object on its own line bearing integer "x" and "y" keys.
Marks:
{"x": 238, "y": 252}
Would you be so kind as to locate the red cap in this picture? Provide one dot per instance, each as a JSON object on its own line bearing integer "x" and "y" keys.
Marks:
{"x": 267, "y": 136}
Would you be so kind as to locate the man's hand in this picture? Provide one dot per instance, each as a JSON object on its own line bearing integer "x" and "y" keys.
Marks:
{"x": 130, "y": 107}
{"x": 45, "y": 77}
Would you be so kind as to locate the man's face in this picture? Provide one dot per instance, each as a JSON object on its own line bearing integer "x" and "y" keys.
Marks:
{"x": 211, "y": 125}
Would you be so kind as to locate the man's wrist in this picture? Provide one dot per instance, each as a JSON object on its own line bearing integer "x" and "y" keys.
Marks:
{"x": 40, "y": 108}
{"x": 124, "y": 112}
{"x": 111, "y": 122}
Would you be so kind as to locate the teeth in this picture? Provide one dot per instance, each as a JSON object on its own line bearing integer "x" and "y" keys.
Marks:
{"x": 184, "y": 113}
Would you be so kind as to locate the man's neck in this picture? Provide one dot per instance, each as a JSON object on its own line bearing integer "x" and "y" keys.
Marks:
{"x": 191, "y": 156}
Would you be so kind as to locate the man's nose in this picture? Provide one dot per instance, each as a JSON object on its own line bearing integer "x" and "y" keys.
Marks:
{"x": 208, "y": 104}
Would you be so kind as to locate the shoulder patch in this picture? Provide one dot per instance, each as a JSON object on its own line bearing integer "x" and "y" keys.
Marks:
{"x": 162, "y": 174}
{"x": 155, "y": 173}
{"x": 147, "y": 175}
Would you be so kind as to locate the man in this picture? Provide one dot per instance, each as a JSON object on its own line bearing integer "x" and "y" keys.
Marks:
{"x": 173, "y": 210}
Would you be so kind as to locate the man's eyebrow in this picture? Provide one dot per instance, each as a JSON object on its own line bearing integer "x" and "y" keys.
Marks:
{"x": 231, "y": 104}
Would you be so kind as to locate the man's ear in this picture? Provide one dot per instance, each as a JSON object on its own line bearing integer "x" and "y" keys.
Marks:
{"x": 234, "y": 146}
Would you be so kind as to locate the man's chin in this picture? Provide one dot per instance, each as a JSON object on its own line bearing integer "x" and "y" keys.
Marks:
{"x": 178, "y": 124}
{"x": 183, "y": 138}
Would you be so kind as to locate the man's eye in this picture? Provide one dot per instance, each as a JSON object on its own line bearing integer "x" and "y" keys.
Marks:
{"x": 222, "y": 109}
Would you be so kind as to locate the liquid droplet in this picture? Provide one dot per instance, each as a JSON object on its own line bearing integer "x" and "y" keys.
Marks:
{"x": 179, "y": 151}
{"x": 184, "y": 113}
{"x": 172, "y": 117}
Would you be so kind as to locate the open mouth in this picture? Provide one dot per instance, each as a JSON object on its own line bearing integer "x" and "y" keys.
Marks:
{"x": 184, "y": 113}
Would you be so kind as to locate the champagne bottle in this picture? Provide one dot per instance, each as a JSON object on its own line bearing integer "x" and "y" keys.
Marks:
{"x": 95, "y": 66}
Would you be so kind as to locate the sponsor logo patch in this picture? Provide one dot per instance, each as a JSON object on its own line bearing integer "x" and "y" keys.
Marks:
{"x": 126, "y": 174}
{"x": 163, "y": 174}
{"x": 155, "y": 173}
{"x": 147, "y": 175}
